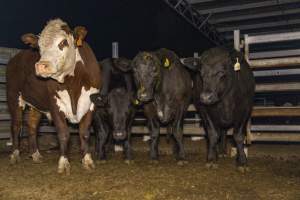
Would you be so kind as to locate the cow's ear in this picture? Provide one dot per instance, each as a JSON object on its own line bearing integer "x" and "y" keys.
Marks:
{"x": 30, "y": 39}
{"x": 79, "y": 35}
{"x": 192, "y": 63}
{"x": 123, "y": 64}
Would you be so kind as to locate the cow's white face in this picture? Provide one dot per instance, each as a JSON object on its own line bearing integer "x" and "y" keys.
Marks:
{"x": 58, "y": 52}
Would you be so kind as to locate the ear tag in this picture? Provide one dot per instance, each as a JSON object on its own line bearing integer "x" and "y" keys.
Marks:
{"x": 79, "y": 42}
{"x": 167, "y": 63}
{"x": 237, "y": 65}
{"x": 136, "y": 102}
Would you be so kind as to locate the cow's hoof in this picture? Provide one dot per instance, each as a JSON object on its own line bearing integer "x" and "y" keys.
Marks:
{"x": 37, "y": 157}
{"x": 243, "y": 169}
{"x": 129, "y": 162}
{"x": 14, "y": 158}
{"x": 87, "y": 162}
{"x": 211, "y": 165}
{"x": 64, "y": 166}
{"x": 155, "y": 162}
{"x": 182, "y": 162}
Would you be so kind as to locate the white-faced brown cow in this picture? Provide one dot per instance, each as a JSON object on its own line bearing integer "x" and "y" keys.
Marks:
{"x": 56, "y": 80}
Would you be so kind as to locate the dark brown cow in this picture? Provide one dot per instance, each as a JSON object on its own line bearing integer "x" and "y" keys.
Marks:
{"x": 72, "y": 75}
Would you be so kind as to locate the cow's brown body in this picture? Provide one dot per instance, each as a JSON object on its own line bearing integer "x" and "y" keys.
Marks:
{"x": 40, "y": 94}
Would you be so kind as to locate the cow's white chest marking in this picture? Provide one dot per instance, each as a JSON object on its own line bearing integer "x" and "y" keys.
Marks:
{"x": 84, "y": 104}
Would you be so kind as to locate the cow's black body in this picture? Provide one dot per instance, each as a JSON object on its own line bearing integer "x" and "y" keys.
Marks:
{"x": 164, "y": 86}
{"x": 224, "y": 98}
{"x": 115, "y": 117}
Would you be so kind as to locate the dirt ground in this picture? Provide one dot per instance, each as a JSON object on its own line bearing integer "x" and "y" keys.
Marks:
{"x": 275, "y": 174}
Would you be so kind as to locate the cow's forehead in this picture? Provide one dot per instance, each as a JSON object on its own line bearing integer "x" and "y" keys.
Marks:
{"x": 51, "y": 32}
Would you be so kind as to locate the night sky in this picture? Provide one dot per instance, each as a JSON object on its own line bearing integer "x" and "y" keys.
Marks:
{"x": 135, "y": 24}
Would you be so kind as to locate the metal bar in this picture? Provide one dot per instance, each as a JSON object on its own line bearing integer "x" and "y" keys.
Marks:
{"x": 236, "y": 34}
{"x": 274, "y": 30}
{"x": 230, "y": 6}
{"x": 273, "y": 62}
{"x": 277, "y": 87}
{"x": 275, "y": 128}
{"x": 276, "y": 112}
{"x": 226, "y": 28}
{"x": 275, "y": 137}
{"x": 193, "y": 17}
{"x": 274, "y": 54}
{"x": 115, "y": 50}
{"x": 277, "y": 37}
{"x": 280, "y": 72}
{"x": 242, "y": 16}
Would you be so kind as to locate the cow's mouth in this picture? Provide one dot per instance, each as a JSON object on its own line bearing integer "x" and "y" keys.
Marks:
{"x": 119, "y": 135}
{"x": 208, "y": 98}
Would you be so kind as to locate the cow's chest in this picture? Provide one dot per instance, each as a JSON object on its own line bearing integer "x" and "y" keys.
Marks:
{"x": 84, "y": 104}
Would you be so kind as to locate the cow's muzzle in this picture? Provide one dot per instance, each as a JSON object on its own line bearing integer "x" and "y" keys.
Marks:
{"x": 208, "y": 98}
{"x": 44, "y": 69}
{"x": 119, "y": 135}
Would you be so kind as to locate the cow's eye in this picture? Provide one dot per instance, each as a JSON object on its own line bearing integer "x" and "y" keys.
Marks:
{"x": 62, "y": 44}
{"x": 220, "y": 74}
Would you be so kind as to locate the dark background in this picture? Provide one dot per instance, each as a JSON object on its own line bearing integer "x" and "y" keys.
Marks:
{"x": 135, "y": 24}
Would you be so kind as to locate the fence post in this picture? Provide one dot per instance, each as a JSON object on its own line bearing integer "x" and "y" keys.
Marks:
{"x": 115, "y": 50}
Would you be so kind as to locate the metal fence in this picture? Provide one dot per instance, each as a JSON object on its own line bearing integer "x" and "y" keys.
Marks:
{"x": 256, "y": 132}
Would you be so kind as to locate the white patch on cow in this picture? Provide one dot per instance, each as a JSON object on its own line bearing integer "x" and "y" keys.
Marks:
{"x": 78, "y": 58}
{"x": 146, "y": 138}
{"x": 233, "y": 151}
{"x": 197, "y": 138}
{"x": 84, "y": 104}
{"x": 36, "y": 156}
{"x": 87, "y": 161}
{"x": 160, "y": 114}
{"x": 15, "y": 156}
{"x": 21, "y": 102}
{"x": 118, "y": 148}
{"x": 63, "y": 164}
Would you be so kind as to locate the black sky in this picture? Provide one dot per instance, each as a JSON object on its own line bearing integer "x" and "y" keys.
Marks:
{"x": 135, "y": 24}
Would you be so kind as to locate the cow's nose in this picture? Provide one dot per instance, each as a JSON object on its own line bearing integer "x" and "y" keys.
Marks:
{"x": 41, "y": 67}
{"x": 142, "y": 96}
{"x": 207, "y": 98}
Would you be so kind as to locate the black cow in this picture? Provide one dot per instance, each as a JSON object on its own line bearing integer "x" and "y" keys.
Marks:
{"x": 165, "y": 88}
{"x": 224, "y": 97}
{"x": 115, "y": 108}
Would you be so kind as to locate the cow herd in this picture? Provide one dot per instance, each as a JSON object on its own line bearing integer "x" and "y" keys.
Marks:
{"x": 59, "y": 76}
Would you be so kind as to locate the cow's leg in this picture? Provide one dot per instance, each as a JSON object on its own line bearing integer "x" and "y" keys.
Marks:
{"x": 222, "y": 147}
{"x": 85, "y": 123}
{"x": 239, "y": 133}
{"x": 178, "y": 136}
{"x": 16, "y": 127}
{"x": 33, "y": 121}
{"x": 127, "y": 152}
{"x": 153, "y": 125}
{"x": 213, "y": 136}
{"x": 101, "y": 134}
{"x": 63, "y": 138}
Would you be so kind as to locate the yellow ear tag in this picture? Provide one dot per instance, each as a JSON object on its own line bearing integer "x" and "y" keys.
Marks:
{"x": 79, "y": 42}
{"x": 167, "y": 63}
{"x": 237, "y": 65}
{"x": 136, "y": 102}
